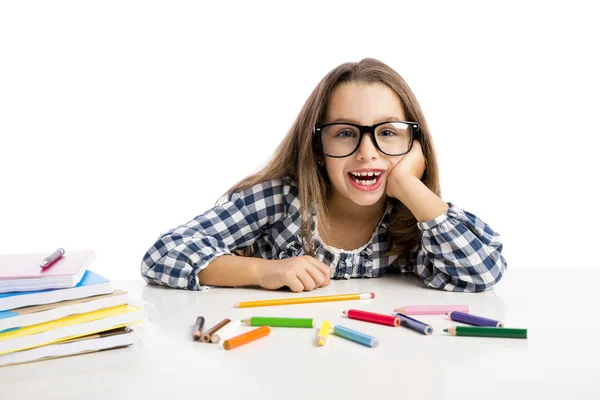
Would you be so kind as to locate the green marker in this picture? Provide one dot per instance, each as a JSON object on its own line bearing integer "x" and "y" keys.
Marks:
{"x": 280, "y": 322}
{"x": 486, "y": 331}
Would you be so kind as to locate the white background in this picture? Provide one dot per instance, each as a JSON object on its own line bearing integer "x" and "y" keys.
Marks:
{"x": 120, "y": 120}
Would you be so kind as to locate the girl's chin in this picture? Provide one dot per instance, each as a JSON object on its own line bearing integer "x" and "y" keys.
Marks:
{"x": 365, "y": 203}
{"x": 366, "y": 199}
{"x": 360, "y": 197}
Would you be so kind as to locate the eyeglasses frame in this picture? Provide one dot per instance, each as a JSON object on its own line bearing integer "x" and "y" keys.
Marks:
{"x": 364, "y": 129}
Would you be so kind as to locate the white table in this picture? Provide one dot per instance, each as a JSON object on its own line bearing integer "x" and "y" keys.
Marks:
{"x": 560, "y": 359}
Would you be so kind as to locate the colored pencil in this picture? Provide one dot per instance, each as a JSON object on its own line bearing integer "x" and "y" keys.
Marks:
{"x": 206, "y": 336}
{"x": 247, "y": 337}
{"x": 279, "y": 322}
{"x": 324, "y": 333}
{"x": 198, "y": 327}
{"x": 367, "y": 316}
{"x": 486, "y": 331}
{"x": 225, "y": 332}
{"x": 474, "y": 319}
{"x": 303, "y": 300}
{"x": 355, "y": 336}
{"x": 414, "y": 324}
{"x": 431, "y": 309}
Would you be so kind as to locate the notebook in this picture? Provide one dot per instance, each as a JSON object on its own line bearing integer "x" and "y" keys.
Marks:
{"x": 91, "y": 284}
{"x": 70, "y": 327}
{"x": 22, "y": 272}
{"x": 112, "y": 339}
{"x": 25, "y": 316}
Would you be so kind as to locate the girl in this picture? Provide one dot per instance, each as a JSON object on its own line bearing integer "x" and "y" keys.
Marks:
{"x": 351, "y": 192}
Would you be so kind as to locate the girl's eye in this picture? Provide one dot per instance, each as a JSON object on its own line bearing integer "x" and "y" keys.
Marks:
{"x": 387, "y": 132}
{"x": 345, "y": 134}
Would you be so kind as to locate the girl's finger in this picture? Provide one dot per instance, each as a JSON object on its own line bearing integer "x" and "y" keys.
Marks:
{"x": 306, "y": 279}
{"x": 324, "y": 269}
{"x": 295, "y": 285}
{"x": 316, "y": 275}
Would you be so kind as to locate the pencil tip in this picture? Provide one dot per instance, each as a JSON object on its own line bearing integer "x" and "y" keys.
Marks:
{"x": 445, "y": 330}
{"x": 236, "y": 305}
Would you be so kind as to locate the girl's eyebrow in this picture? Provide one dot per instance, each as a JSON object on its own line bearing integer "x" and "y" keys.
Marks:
{"x": 353, "y": 121}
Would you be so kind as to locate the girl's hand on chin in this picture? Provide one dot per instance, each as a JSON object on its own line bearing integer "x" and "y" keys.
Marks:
{"x": 411, "y": 164}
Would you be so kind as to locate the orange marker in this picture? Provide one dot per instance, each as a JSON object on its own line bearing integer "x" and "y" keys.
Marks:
{"x": 247, "y": 337}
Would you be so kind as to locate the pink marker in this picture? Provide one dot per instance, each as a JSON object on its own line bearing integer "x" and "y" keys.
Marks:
{"x": 432, "y": 310}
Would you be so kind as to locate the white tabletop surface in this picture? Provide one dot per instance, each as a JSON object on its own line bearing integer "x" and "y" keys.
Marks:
{"x": 560, "y": 358}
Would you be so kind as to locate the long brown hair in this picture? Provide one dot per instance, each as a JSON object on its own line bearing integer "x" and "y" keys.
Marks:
{"x": 297, "y": 155}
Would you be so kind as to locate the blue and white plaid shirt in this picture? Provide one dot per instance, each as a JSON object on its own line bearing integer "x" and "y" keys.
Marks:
{"x": 458, "y": 251}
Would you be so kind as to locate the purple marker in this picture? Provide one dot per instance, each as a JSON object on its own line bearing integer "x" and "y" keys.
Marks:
{"x": 473, "y": 319}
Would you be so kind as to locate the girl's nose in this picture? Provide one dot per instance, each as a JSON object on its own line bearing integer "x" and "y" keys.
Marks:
{"x": 367, "y": 149}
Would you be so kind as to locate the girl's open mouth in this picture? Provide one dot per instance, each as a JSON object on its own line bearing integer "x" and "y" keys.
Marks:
{"x": 366, "y": 181}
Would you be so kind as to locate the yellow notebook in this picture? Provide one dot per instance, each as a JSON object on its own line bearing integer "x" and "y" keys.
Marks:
{"x": 69, "y": 328}
{"x": 27, "y": 316}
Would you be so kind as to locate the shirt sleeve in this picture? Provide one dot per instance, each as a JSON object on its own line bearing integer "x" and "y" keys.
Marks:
{"x": 179, "y": 255}
{"x": 458, "y": 252}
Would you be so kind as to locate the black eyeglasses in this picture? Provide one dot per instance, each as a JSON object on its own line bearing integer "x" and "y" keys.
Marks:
{"x": 342, "y": 139}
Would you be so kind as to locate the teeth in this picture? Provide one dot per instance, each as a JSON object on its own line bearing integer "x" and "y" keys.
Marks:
{"x": 366, "y": 173}
{"x": 365, "y": 183}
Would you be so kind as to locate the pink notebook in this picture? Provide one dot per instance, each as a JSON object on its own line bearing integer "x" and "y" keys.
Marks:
{"x": 22, "y": 272}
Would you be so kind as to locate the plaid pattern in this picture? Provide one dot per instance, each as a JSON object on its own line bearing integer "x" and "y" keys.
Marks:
{"x": 458, "y": 252}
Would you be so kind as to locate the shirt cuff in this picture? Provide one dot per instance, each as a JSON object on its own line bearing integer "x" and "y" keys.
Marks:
{"x": 453, "y": 212}
{"x": 194, "y": 282}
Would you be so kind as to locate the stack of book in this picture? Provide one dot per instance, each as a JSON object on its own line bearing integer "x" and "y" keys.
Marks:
{"x": 62, "y": 310}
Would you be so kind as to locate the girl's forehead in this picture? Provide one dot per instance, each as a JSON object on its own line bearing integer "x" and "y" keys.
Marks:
{"x": 363, "y": 103}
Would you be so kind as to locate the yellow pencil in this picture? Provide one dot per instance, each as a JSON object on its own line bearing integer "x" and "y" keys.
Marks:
{"x": 302, "y": 300}
{"x": 324, "y": 333}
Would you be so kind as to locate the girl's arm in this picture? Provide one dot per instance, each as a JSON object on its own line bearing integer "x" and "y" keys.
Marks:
{"x": 297, "y": 273}
{"x": 404, "y": 183}
{"x": 178, "y": 256}
{"x": 458, "y": 252}
{"x": 422, "y": 202}
{"x": 231, "y": 271}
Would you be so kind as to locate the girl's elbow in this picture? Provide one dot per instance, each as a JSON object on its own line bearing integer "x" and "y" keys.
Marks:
{"x": 470, "y": 277}
{"x": 493, "y": 269}
{"x": 147, "y": 271}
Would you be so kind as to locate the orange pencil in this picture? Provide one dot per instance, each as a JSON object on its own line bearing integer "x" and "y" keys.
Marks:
{"x": 247, "y": 337}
